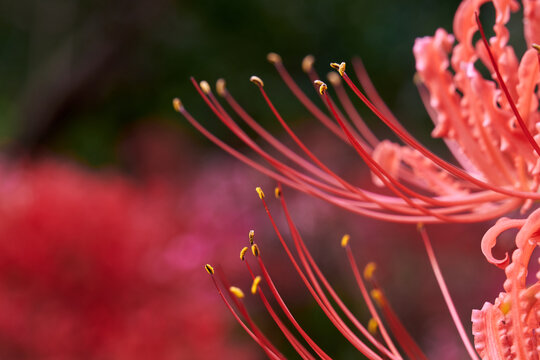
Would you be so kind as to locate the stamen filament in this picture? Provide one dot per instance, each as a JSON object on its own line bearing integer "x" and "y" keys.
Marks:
{"x": 452, "y": 169}
{"x": 446, "y": 294}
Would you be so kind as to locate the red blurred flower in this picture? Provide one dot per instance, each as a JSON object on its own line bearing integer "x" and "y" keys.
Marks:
{"x": 89, "y": 270}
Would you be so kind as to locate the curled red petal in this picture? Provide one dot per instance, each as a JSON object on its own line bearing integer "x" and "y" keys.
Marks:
{"x": 490, "y": 240}
{"x": 530, "y": 230}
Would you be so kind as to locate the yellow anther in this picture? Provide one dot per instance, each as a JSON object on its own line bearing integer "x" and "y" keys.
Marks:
{"x": 505, "y": 307}
{"x": 420, "y": 226}
{"x": 256, "y": 80}
{"x": 177, "y": 104}
{"x": 260, "y": 192}
{"x": 372, "y": 326}
{"x": 341, "y": 68}
{"x": 334, "y": 66}
{"x": 273, "y": 58}
{"x": 277, "y": 192}
{"x": 209, "y": 269}
{"x": 378, "y": 296}
{"x": 307, "y": 63}
{"x": 255, "y": 285}
{"x": 537, "y": 47}
{"x": 236, "y": 292}
{"x": 243, "y": 252}
{"x": 334, "y": 78}
{"x": 251, "y": 235}
{"x": 205, "y": 87}
{"x": 255, "y": 250}
{"x": 322, "y": 86}
{"x": 345, "y": 240}
{"x": 220, "y": 87}
{"x": 369, "y": 270}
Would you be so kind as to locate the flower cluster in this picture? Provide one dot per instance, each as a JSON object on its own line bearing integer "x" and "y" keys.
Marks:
{"x": 491, "y": 126}
{"x": 479, "y": 119}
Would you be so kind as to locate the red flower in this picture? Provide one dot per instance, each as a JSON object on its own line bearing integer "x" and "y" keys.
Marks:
{"x": 89, "y": 270}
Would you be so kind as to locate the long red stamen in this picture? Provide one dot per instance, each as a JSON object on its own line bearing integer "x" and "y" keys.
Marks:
{"x": 258, "y": 340}
{"x": 405, "y": 340}
{"x": 452, "y": 169}
{"x": 403, "y": 337}
{"x": 312, "y": 266}
{"x": 287, "y": 312}
{"x": 317, "y": 293}
{"x": 312, "y": 74}
{"x": 386, "y": 178}
{"x": 243, "y": 311}
{"x": 372, "y": 93}
{"x": 365, "y": 295}
{"x": 356, "y": 144}
{"x": 308, "y": 104}
{"x": 350, "y": 109}
{"x": 446, "y": 294}
{"x": 300, "y": 349}
{"x": 303, "y": 183}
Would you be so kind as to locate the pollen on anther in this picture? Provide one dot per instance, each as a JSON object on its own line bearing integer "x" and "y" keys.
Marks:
{"x": 369, "y": 270}
{"x": 255, "y": 250}
{"x": 334, "y": 66}
{"x": 260, "y": 192}
{"x": 345, "y": 240}
{"x": 209, "y": 269}
{"x": 378, "y": 296}
{"x": 236, "y": 292}
{"x": 177, "y": 105}
{"x": 277, "y": 192}
{"x": 334, "y": 78}
{"x": 341, "y": 68}
{"x": 273, "y": 58}
{"x": 322, "y": 86}
{"x": 373, "y": 325}
{"x": 205, "y": 87}
{"x": 256, "y": 80}
{"x": 220, "y": 87}
{"x": 307, "y": 63}
{"x": 255, "y": 285}
{"x": 243, "y": 252}
{"x": 251, "y": 235}
{"x": 536, "y": 46}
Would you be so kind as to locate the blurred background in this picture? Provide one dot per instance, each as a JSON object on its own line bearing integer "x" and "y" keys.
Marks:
{"x": 111, "y": 203}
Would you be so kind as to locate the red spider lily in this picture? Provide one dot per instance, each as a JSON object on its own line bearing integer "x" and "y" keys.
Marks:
{"x": 506, "y": 330}
{"x": 382, "y": 337}
{"x": 509, "y": 328}
{"x": 490, "y": 125}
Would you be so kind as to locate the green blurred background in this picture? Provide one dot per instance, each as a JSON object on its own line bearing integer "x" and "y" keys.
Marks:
{"x": 76, "y": 75}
